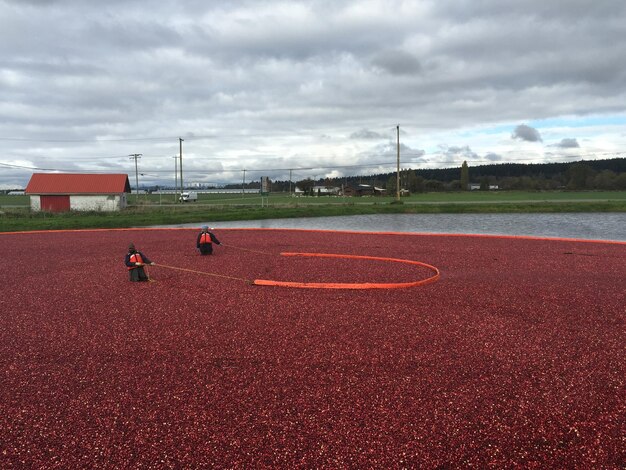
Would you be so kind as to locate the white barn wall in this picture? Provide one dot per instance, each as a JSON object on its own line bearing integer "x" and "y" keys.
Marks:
{"x": 35, "y": 203}
{"x": 94, "y": 202}
{"x": 98, "y": 202}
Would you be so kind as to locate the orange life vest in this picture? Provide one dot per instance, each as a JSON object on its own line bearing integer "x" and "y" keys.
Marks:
{"x": 135, "y": 258}
{"x": 205, "y": 238}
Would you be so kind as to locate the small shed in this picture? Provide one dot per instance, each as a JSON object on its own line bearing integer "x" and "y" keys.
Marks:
{"x": 325, "y": 190}
{"x": 358, "y": 190}
{"x": 59, "y": 192}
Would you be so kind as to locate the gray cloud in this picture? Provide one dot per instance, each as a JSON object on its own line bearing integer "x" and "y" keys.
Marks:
{"x": 526, "y": 133}
{"x": 568, "y": 144}
{"x": 252, "y": 83}
{"x": 397, "y": 62}
{"x": 493, "y": 157}
{"x": 454, "y": 151}
{"x": 368, "y": 135}
{"x": 386, "y": 155}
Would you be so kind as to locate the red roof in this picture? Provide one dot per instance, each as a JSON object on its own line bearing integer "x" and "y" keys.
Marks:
{"x": 76, "y": 183}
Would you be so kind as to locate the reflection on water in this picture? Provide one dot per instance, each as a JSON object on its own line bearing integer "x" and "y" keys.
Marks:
{"x": 589, "y": 226}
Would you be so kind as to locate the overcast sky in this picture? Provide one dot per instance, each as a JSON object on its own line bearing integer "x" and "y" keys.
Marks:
{"x": 269, "y": 86}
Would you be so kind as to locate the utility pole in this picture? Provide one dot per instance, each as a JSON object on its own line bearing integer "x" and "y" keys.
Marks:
{"x": 290, "y": 183}
{"x": 175, "y": 157}
{"x": 136, "y": 156}
{"x": 180, "y": 144}
{"x": 398, "y": 164}
{"x": 243, "y": 184}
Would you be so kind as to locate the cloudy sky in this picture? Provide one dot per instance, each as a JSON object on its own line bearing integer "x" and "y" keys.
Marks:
{"x": 315, "y": 87}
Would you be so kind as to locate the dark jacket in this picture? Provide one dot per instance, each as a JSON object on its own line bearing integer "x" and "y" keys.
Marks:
{"x": 130, "y": 253}
{"x": 213, "y": 238}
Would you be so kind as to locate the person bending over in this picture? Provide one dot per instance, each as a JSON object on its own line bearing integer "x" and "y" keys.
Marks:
{"x": 135, "y": 261}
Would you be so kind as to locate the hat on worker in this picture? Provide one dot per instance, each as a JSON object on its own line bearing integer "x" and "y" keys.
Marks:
{"x": 205, "y": 227}
{"x": 131, "y": 246}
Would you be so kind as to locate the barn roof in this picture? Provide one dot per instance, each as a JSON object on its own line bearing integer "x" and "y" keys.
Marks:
{"x": 77, "y": 183}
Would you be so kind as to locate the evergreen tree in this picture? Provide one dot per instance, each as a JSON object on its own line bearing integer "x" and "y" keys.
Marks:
{"x": 580, "y": 175}
{"x": 464, "y": 176}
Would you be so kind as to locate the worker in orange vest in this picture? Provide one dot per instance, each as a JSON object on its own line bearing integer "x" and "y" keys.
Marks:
{"x": 205, "y": 240}
{"x": 135, "y": 261}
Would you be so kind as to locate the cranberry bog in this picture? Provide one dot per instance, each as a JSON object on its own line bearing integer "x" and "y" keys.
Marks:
{"x": 514, "y": 356}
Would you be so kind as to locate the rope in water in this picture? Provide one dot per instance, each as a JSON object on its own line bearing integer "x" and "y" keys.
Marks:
{"x": 203, "y": 272}
{"x": 248, "y": 249}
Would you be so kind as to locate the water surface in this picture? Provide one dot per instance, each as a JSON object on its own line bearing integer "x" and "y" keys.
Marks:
{"x": 588, "y": 226}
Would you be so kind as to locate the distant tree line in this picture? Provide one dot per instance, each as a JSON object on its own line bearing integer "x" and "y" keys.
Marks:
{"x": 608, "y": 174}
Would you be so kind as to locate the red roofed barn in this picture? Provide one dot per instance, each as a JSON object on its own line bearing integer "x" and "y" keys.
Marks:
{"x": 59, "y": 192}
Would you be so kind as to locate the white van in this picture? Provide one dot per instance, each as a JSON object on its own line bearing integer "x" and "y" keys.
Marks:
{"x": 189, "y": 197}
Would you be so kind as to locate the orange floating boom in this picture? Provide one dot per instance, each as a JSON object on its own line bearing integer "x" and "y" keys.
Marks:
{"x": 338, "y": 285}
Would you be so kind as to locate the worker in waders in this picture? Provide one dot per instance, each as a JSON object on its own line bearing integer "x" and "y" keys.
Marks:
{"x": 135, "y": 261}
{"x": 205, "y": 240}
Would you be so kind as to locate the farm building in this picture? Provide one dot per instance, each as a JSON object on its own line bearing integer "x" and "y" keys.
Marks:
{"x": 59, "y": 192}
{"x": 362, "y": 190}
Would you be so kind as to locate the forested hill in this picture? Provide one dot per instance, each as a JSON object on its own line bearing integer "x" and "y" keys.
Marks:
{"x": 532, "y": 170}
{"x": 604, "y": 174}
{"x": 607, "y": 174}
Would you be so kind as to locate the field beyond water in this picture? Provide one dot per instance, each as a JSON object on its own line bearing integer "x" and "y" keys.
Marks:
{"x": 514, "y": 357}
{"x": 147, "y": 210}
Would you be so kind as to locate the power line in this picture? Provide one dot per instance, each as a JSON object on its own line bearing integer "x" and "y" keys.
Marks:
{"x": 140, "y": 139}
{"x": 18, "y": 139}
{"x": 389, "y": 163}
{"x": 405, "y": 155}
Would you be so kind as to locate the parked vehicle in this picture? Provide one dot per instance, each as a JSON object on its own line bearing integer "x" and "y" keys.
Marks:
{"x": 189, "y": 197}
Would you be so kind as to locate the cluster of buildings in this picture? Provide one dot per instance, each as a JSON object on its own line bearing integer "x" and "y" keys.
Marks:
{"x": 347, "y": 190}
{"x": 59, "y": 192}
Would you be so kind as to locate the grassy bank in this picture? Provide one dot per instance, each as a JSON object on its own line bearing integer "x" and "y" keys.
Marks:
{"x": 22, "y": 219}
{"x": 284, "y": 199}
